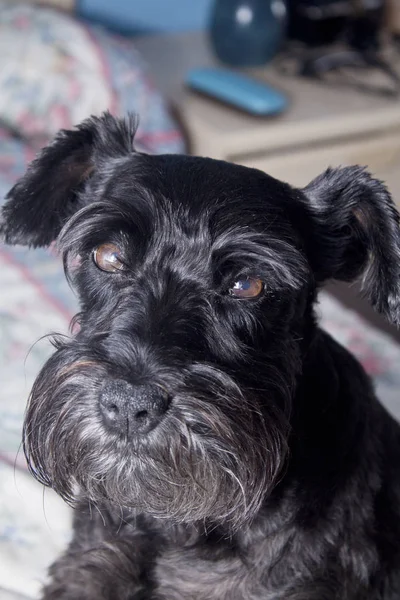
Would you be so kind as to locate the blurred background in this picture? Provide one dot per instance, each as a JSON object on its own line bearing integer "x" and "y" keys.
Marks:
{"x": 323, "y": 91}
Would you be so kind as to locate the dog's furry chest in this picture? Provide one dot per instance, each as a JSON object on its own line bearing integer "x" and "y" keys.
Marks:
{"x": 180, "y": 576}
{"x": 270, "y": 569}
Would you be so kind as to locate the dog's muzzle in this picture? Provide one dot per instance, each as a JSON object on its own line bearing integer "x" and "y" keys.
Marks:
{"x": 129, "y": 409}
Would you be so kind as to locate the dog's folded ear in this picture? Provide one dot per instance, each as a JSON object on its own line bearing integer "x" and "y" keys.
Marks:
{"x": 355, "y": 231}
{"x": 39, "y": 204}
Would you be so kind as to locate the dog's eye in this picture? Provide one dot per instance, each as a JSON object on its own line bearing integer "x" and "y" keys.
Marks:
{"x": 248, "y": 287}
{"x": 108, "y": 258}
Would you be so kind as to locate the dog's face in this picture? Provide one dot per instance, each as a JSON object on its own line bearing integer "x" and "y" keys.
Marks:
{"x": 196, "y": 280}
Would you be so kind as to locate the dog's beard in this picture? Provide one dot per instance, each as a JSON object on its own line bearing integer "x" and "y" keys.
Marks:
{"x": 213, "y": 458}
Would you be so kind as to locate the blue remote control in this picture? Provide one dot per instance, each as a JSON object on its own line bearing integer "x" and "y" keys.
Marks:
{"x": 237, "y": 90}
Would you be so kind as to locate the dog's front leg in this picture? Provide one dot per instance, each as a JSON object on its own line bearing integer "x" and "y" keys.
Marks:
{"x": 105, "y": 561}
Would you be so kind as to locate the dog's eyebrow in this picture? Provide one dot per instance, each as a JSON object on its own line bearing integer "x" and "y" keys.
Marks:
{"x": 91, "y": 223}
{"x": 84, "y": 223}
{"x": 273, "y": 256}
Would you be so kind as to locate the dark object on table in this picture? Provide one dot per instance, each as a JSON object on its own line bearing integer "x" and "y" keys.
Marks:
{"x": 247, "y": 34}
{"x": 324, "y": 22}
{"x": 355, "y": 24}
{"x": 340, "y": 35}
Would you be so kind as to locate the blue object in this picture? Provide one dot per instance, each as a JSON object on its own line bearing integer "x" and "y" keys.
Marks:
{"x": 147, "y": 16}
{"x": 247, "y": 33}
{"x": 238, "y": 90}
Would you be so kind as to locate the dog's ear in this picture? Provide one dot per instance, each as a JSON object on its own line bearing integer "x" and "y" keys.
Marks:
{"x": 355, "y": 232}
{"x": 39, "y": 204}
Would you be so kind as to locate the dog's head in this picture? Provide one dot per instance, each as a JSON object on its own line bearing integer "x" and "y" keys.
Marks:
{"x": 196, "y": 280}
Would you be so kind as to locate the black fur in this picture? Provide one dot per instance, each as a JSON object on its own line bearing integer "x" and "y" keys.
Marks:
{"x": 274, "y": 472}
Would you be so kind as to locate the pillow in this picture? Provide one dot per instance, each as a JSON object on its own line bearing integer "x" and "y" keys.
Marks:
{"x": 55, "y": 71}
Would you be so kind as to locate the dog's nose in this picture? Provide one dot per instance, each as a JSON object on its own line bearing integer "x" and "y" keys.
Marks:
{"x": 130, "y": 409}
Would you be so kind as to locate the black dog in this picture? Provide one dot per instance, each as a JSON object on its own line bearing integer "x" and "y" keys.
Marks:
{"x": 216, "y": 443}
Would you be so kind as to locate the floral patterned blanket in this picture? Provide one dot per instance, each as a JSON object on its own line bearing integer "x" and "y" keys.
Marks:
{"x": 55, "y": 71}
